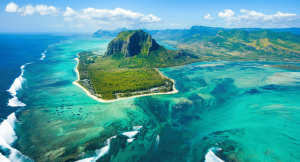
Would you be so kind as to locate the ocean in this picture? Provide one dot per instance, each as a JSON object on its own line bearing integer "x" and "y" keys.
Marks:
{"x": 224, "y": 111}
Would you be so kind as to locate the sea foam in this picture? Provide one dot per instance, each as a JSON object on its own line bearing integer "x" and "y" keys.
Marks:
{"x": 99, "y": 152}
{"x": 156, "y": 142}
{"x": 211, "y": 157}
{"x": 3, "y": 158}
{"x": 15, "y": 87}
{"x": 43, "y": 55}
{"x": 136, "y": 128}
{"x": 7, "y": 138}
{"x": 104, "y": 150}
{"x": 130, "y": 134}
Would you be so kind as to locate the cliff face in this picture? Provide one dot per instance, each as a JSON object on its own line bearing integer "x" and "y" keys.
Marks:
{"x": 131, "y": 43}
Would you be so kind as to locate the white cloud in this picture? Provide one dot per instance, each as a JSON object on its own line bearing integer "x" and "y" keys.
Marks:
{"x": 118, "y": 16}
{"x": 256, "y": 15}
{"x": 30, "y": 10}
{"x": 12, "y": 7}
{"x": 174, "y": 24}
{"x": 257, "y": 19}
{"x": 226, "y": 13}
{"x": 208, "y": 17}
{"x": 44, "y": 10}
{"x": 69, "y": 12}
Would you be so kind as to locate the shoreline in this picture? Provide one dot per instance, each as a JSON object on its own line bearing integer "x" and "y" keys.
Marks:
{"x": 106, "y": 101}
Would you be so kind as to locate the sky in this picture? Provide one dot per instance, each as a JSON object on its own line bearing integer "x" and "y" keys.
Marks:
{"x": 22, "y": 16}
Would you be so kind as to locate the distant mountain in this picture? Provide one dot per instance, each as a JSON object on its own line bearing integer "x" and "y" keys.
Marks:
{"x": 194, "y": 31}
{"x": 264, "y": 41}
{"x": 263, "y": 45}
{"x": 108, "y": 33}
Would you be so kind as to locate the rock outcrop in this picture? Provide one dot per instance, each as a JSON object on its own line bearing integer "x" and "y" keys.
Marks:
{"x": 131, "y": 43}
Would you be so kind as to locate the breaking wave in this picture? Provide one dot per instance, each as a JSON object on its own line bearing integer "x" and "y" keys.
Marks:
{"x": 136, "y": 128}
{"x": 99, "y": 152}
{"x": 156, "y": 142}
{"x": 211, "y": 157}
{"x": 130, "y": 134}
{"x": 7, "y": 138}
{"x": 43, "y": 55}
{"x": 15, "y": 87}
{"x": 104, "y": 150}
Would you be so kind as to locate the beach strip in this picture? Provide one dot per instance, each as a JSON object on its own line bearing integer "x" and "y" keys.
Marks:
{"x": 106, "y": 101}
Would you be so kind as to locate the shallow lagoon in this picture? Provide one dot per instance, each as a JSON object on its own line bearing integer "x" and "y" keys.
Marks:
{"x": 241, "y": 111}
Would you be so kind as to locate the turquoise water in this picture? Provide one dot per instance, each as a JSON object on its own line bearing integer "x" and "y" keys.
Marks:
{"x": 224, "y": 111}
{"x": 248, "y": 110}
{"x": 170, "y": 47}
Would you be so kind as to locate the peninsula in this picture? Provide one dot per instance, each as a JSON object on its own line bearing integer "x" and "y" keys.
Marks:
{"x": 129, "y": 67}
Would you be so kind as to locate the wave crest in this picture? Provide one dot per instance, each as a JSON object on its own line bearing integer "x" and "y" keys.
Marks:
{"x": 7, "y": 138}
{"x": 211, "y": 157}
{"x": 15, "y": 87}
{"x": 43, "y": 55}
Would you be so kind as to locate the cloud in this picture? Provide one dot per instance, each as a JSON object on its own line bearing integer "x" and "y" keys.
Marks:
{"x": 30, "y": 10}
{"x": 257, "y": 19}
{"x": 12, "y": 7}
{"x": 173, "y": 24}
{"x": 208, "y": 17}
{"x": 69, "y": 12}
{"x": 256, "y": 15}
{"x": 117, "y": 17}
{"x": 44, "y": 10}
{"x": 226, "y": 13}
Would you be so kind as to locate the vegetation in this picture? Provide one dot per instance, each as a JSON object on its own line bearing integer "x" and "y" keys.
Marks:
{"x": 127, "y": 68}
{"x": 237, "y": 45}
{"x": 114, "y": 75}
{"x": 288, "y": 67}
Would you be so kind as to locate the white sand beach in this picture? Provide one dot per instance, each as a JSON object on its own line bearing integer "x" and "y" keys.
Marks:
{"x": 105, "y": 101}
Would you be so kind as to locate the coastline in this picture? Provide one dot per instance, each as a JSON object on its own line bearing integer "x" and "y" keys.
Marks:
{"x": 106, "y": 101}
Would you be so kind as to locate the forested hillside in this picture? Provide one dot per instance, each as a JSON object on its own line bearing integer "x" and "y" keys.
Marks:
{"x": 128, "y": 66}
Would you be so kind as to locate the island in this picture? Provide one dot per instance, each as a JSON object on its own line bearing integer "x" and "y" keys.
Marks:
{"x": 129, "y": 67}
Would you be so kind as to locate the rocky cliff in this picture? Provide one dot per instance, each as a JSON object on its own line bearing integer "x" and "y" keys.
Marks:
{"x": 131, "y": 43}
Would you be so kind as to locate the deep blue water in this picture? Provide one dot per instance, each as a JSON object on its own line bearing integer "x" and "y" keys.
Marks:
{"x": 17, "y": 50}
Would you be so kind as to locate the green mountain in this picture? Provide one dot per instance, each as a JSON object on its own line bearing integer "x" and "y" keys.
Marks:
{"x": 131, "y": 43}
{"x": 264, "y": 44}
{"x": 247, "y": 44}
{"x": 128, "y": 66}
